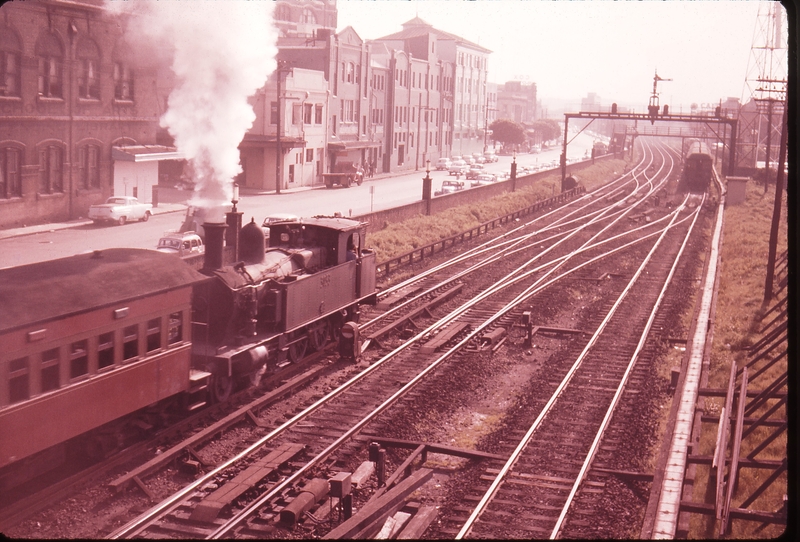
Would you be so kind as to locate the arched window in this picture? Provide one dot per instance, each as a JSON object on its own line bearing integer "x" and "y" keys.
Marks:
{"x": 10, "y": 178}
{"x": 88, "y": 70}
{"x": 123, "y": 81}
{"x": 89, "y": 166}
{"x": 51, "y": 168}
{"x": 283, "y": 12}
{"x": 308, "y": 17}
{"x": 350, "y": 72}
{"x": 10, "y": 51}
{"x": 50, "y": 56}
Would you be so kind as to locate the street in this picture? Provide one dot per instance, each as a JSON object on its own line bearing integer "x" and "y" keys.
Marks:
{"x": 373, "y": 195}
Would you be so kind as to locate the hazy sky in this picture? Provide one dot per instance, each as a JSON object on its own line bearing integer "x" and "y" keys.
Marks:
{"x": 571, "y": 48}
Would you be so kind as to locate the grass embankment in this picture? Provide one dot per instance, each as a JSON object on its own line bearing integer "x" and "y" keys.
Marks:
{"x": 400, "y": 238}
{"x": 737, "y": 324}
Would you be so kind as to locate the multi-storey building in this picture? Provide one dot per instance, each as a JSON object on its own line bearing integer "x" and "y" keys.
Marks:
{"x": 73, "y": 90}
{"x": 517, "y": 101}
{"x": 301, "y": 134}
{"x": 460, "y": 79}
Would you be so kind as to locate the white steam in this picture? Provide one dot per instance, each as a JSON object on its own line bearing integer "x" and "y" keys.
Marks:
{"x": 223, "y": 53}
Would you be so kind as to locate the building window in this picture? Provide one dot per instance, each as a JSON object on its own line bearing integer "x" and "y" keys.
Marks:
{"x": 105, "y": 350}
{"x": 307, "y": 109}
{"x": 175, "y": 331}
{"x": 9, "y": 66}
{"x": 308, "y": 17}
{"x": 10, "y": 178}
{"x": 350, "y": 72}
{"x": 318, "y": 114}
{"x": 153, "y": 334}
{"x": 50, "y": 77}
{"x": 88, "y": 171}
{"x": 273, "y": 113}
{"x": 18, "y": 381}
{"x": 88, "y": 77}
{"x": 283, "y": 12}
{"x": 130, "y": 342}
{"x": 123, "y": 82}
{"x": 297, "y": 113}
{"x": 50, "y": 376}
{"x": 79, "y": 359}
{"x": 309, "y": 155}
{"x": 51, "y": 162}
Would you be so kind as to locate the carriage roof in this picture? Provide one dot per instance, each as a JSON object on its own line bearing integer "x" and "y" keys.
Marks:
{"x": 57, "y": 288}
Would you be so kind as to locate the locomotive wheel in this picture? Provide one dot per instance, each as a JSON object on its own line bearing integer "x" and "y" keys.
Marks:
{"x": 220, "y": 388}
{"x": 318, "y": 335}
{"x": 298, "y": 350}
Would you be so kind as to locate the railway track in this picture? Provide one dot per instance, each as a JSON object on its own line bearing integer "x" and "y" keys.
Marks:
{"x": 527, "y": 264}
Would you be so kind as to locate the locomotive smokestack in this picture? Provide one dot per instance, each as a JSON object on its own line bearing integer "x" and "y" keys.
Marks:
{"x": 215, "y": 235}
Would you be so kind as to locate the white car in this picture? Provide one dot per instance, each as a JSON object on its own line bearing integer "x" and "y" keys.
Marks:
{"x": 443, "y": 164}
{"x": 120, "y": 209}
{"x": 182, "y": 244}
{"x": 458, "y": 167}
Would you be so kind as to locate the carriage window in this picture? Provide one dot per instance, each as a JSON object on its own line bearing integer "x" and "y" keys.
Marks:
{"x": 18, "y": 384}
{"x": 175, "y": 332}
{"x": 130, "y": 340}
{"x": 153, "y": 334}
{"x": 79, "y": 359}
{"x": 105, "y": 350}
{"x": 50, "y": 376}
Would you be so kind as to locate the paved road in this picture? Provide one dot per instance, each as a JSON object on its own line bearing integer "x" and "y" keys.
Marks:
{"x": 27, "y": 245}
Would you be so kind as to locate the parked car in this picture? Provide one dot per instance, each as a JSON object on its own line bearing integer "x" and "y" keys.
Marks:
{"x": 469, "y": 160}
{"x": 474, "y": 171}
{"x": 182, "y": 244}
{"x": 455, "y": 158}
{"x": 490, "y": 157}
{"x": 443, "y": 164}
{"x": 277, "y": 217}
{"x": 458, "y": 167}
{"x": 120, "y": 209}
{"x": 448, "y": 187}
{"x": 483, "y": 179}
{"x": 479, "y": 158}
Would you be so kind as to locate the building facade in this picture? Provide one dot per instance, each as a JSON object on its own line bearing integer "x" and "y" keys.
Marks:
{"x": 73, "y": 90}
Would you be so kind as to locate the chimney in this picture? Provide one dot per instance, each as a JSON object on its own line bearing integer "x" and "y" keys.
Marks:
{"x": 215, "y": 235}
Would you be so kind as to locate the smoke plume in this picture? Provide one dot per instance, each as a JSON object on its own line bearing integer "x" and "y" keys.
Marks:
{"x": 221, "y": 53}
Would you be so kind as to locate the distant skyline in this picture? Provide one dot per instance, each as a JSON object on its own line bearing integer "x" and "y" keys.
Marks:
{"x": 572, "y": 48}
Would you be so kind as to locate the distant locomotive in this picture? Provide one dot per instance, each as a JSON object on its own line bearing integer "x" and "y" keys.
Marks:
{"x": 698, "y": 167}
{"x": 94, "y": 342}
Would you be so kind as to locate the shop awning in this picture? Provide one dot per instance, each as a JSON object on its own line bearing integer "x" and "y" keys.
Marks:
{"x": 287, "y": 142}
{"x": 145, "y": 153}
{"x": 352, "y": 145}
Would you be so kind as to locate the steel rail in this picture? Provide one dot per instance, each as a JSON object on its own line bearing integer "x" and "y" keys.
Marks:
{"x": 275, "y": 490}
{"x": 489, "y": 494}
{"x": 618, "y": 394}
{"x": 138, "y": 524}
{"x": 250, "y": 509}
{"x": 588, "y": 198}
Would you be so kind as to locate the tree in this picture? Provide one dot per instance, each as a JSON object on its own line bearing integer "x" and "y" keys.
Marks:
{"x": 545, "y": 130}
{"x": 506, "y": 131}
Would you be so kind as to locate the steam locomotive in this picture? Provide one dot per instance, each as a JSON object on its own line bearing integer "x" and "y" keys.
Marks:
{"x": 697, "y": 167}
{"x": 93, "y": 343}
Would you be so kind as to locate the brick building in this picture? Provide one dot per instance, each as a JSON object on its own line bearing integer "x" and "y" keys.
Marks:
{"x": 72, "y": 90}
